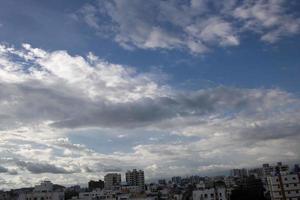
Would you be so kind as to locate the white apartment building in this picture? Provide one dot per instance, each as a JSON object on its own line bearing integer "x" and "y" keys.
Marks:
{"x": 43, "y": 191}
{"x": 217, "y": 193}
{"x": 108, "y": 195}
{"x": 97, "y": 194}
{"x": 284, "y": 187}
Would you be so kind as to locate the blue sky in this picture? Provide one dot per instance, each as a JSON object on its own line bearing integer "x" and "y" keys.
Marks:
{"x": 91, "y": 86}
{"x": 49, "y": 25}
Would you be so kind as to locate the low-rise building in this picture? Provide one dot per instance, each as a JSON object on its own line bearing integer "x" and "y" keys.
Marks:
{"x": 216, "y": 193}
{"x": 43, "y": 191}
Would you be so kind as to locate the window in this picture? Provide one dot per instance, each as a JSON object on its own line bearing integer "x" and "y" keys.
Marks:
{"x": 285, "y": 179}
{"x": 287, "y": 185}
{"x": 295, "y": 184}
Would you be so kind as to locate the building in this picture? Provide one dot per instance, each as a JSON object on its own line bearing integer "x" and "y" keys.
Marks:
{"x": 136, "y": 178}
{"x": 112, "y": 180}
{"x": 269, "y": 170}
{"x": 240, "y": 173}
{"x": 249, "y": 188}
{"x": 284, "y": 186}
{"x": 256, "y": 172}
{"x": 215, "y": 193}
{"x": 296, "y": 168}
{"x": 96, "y": 194}
{"x": 162, "y": 182}
{"x": 4, "y": 195}
{"x": 176, "y": 179}
{"x": 43, "y": 191}
{"x": 93, "y": 185}
{"x": 132, "y": 189}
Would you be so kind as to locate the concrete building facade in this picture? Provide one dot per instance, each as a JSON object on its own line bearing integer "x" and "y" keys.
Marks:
{"x": 136, "y": 178}
{"x": 43, "y": 191}
{"x": 216, "y": 193}
{"x": 112, "y": 180}
{"x": 284, "y": 187}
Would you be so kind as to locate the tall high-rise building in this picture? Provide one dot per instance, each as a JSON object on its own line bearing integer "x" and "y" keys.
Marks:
{"x": 135, "y": 178}
{"x": 112, "y": 180}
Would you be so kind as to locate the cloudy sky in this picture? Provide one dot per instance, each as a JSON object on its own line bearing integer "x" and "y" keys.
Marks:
{"x": 172, "y": 87}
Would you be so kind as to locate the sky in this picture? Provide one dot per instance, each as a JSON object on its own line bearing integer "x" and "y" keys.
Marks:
{"x": 172, "y": 87}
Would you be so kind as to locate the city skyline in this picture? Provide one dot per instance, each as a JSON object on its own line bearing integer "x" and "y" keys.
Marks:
{"x": 170, "y": 87}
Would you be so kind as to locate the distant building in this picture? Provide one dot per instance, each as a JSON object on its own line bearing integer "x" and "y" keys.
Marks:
{"x": 93, "y": 185}
{"x": 256, "y": 172}
{"x": 296, "y": 168}
{"x": 136, "y": 178}
{"x": 176, "y": 179}
{"x": 4, "y": 195}
{"x": 45, "y": 190}
{"x": 112, "y": 180}
{"x": 239, "y": 173}
{"x": 162, "y": 182}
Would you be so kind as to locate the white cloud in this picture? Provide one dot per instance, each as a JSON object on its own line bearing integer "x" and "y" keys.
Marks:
{"x": 270, "y": 18}
{"x": 45, "y": 96}
{"x": 196, "y": 25}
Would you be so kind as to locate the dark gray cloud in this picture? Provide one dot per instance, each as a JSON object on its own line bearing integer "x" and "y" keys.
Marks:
{"x": 112, "y": 170}
{"x": 3, "y": 169}
{"x": 39, "y": 103}
{"x": 39, "y": 168}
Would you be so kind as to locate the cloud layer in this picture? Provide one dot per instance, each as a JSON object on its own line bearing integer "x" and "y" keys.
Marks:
{"x": 195, "y": 25}
{"x": 45, "y": 97}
